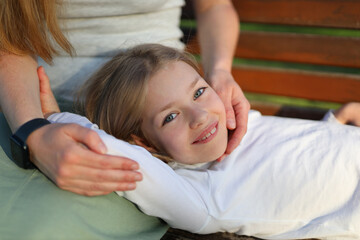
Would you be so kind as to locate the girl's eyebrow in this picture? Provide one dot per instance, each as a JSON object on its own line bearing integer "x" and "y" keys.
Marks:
{"x": 191, "y": 86}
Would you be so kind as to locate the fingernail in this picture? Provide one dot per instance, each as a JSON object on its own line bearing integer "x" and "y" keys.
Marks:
{"x": 138, "y": 177}
{"x": 42, "y": 69}
{"x": 102, "y": 148}
{"x": 131, "y": 186}
{"x": 231, "y": 123}
{"x": 135, "y": 167}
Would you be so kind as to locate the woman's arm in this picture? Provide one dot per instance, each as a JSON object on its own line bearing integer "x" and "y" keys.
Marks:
{"x": 218, "y": 30}
{"x": 19, "y": 91}
{"x": 57, "y": 149}
{"x": 29, "y": 28}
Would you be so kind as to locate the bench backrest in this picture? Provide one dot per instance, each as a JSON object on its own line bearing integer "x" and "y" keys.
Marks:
{"x": 317, "y": 41}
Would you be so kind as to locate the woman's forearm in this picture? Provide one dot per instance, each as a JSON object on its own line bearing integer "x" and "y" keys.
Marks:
{"x": 218, "y": 30}
{"x": 19, "y": 89}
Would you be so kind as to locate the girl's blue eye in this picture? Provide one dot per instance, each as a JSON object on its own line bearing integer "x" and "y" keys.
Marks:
{"x": 199, "y": 92}
{"x": 169, "y": 118}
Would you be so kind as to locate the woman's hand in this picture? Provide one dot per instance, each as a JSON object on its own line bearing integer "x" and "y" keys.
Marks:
{"x": 236, "y": 106}
{"x": 349, "y": 114}
{"x": 74, "y": 157}
{"x": 218, "y": 32}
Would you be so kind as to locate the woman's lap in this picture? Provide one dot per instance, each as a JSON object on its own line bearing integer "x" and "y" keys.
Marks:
{"x": 32, "y": 207}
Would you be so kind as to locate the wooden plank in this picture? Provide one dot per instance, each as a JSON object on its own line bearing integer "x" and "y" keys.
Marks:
{"x": 298, "y": 48}
{"x": 324, "y": 13}
{"x": 340, "y": 88}
{"x": 265, "y": 108}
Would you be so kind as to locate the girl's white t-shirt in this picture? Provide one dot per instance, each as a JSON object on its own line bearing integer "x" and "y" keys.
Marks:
{"x": 288, "y": 179}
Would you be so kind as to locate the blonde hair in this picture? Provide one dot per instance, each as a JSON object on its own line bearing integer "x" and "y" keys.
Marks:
{"x": 114, "y": 97}
{"x": 29, "y": 26}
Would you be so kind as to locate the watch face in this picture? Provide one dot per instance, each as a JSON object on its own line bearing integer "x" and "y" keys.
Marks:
{"x": 20, "y": 153}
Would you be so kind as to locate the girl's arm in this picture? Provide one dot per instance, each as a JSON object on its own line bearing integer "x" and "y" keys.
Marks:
{"x": 218, "y": 30}
{"x": 349, "y": 114}
{"x": 163, "y": 193}
{"x": 57, "y": 149}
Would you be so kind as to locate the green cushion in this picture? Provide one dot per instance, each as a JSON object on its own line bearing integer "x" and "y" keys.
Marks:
{"x": 32, "y": 207}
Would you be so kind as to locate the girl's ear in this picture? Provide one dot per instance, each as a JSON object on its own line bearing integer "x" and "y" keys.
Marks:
{"x": 142, "y": 142}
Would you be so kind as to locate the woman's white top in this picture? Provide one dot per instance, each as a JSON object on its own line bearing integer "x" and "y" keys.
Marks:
{"x": 98, "y": 29}
{"x": 288, "y": 179}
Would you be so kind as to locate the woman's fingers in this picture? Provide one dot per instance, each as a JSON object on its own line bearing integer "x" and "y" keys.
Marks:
{"x": 85, "y": 136}
{"x": 89, "y": 173}
{"x": 103, "y": 173}
{"x": 47, "y": 99}
{"x": 89, "y": 188}
{"x": 241, "y": 109}
{"x": 93, "y": 142}
{"x": 105, "y": 161}
{"x": 44, "y": 80}
{"x": 59, "y": 151}
{"x": 236, "y": 106}
{"x": 231, "y": 122}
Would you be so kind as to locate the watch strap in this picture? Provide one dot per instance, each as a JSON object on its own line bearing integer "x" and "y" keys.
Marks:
{"x": 27, "y": 128}
{"x": 19, "y": 148}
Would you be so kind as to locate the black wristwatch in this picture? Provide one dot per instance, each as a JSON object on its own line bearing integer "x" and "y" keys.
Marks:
{"x": 19, "y": 149}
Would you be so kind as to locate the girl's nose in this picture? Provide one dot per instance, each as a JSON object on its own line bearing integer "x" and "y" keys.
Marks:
{"x": 198, "y": 117}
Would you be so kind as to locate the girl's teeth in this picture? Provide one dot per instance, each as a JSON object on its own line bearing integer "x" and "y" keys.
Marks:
{"x": 208, "y": 135}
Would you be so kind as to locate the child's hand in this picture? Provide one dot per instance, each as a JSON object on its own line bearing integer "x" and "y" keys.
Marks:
{"x": 349, "y": 114}
{"x": 47, "y": 99}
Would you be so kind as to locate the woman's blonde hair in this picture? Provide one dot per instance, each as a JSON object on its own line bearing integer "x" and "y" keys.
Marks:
{"x": 28, "y": 27}
{"x": 114, "y": 97}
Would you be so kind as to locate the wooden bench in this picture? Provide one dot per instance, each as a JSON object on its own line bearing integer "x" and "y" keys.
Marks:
{"x": 294, "y": 58}
{"x": 317, "y": 41}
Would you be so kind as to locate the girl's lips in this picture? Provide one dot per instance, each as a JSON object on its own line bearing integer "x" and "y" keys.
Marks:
{"x": 208, "y": 134}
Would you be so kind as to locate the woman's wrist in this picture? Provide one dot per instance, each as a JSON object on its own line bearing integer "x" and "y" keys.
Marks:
{"x": 218, "y": 66}
{"x": 216, "y": 74}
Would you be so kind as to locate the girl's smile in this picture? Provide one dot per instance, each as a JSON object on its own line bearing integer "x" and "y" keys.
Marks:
{"x": 207, "y": 135}
{"x": 184, "y": 117}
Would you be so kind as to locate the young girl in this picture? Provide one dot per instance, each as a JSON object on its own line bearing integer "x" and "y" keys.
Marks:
{"x": 288, "y": 179}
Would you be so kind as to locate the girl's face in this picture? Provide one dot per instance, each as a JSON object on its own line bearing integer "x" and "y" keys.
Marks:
{"x": 183, "y": 116}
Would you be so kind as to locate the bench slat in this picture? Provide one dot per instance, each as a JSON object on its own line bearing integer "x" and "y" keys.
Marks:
{"x": 340, "y": 88}
{"x": 298, "y": 48}
{"x": 312, "y": 49}
{"x": 325, "y": 13}
{"x": 301, "y": 48}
